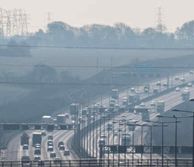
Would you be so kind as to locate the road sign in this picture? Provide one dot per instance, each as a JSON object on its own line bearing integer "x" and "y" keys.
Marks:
{"x": 142, "y": 149}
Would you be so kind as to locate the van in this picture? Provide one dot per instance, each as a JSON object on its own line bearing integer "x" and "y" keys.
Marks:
{"x": 66, "y": 152}
{"x": 52, "y": 155}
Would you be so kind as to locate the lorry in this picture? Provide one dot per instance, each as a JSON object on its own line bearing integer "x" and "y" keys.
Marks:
{"x": 160, "y": 107}
{"x": 25, "y": 156}
{"x": 126, "y": 139}
{"x": 145, "y": 116}
{"x": 134, "y": 99}
{"x": 115, "y": 94}
{"x": 185, "y": 95}
{"x": 36, "y": 138}
{"x": 74, "y": 108}
{"x": 146, "y": 88}
{"x": 24, "y": 139}
{"x": 109, "y": 127}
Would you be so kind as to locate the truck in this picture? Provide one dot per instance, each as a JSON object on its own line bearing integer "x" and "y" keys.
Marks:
{"x": 146, "y": 88}
{"x": 25, "y": 157}
{"x": 112, "y": 103}
{"x": 160, "y": 107}
{"x": 155, "y": 90}
{"x": 126, "y": 140}
{"x": 185, "y": 95}
{"x": 102, "y": 141}
{"x": 62, "y": 118}
{"x": 145, "y": 116}
{"x": 115, "y": 94}
{"x": 24, "y": 139}
{"x": 134, "y": 99}
{"x": 139, "y": 109}
{"x": 125, "y": 101}
{"x": 74, "y": 109}
{"x": 109, "y": 127}
{"x": 36, "y": 138}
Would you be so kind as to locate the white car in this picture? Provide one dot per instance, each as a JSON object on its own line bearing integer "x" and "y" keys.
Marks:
{"x": 186, "y": 88}
{"x": 177, "y": 89}
{"x": 132, "y": 89}
{"x": 176, "y": 78}
{"x": 191, "y": 72}
{"x": 153, "y": 103}
{"x": 158, "y": 83}
{"x": 189, "y": 84}
{"x": 182, "y": 79}
{"x": 165, "y": 84}
{"x": 142, "y": 105}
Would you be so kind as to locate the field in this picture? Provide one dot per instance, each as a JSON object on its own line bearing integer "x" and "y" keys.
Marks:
{"x": 83, "y": 64}
{"x": 63, "y": 58}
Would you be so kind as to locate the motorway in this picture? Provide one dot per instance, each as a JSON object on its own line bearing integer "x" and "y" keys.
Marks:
{"x": 171, "y": 99}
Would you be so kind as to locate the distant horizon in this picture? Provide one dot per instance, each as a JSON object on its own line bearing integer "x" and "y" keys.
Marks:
{"x": 134, "y": 13}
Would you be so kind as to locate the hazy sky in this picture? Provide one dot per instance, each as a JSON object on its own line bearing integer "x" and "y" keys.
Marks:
{"x": 136, "y": 13}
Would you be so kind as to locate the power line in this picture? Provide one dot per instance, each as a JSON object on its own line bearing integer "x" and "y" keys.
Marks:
{"x": 65, "y": 83}
{"x": 97, "y": 48}
{"x": 98, "y": 66}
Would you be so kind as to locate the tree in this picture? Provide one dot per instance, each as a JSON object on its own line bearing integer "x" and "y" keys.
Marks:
{"x": 186, "y": 32}
{"x": 43, "y": 73}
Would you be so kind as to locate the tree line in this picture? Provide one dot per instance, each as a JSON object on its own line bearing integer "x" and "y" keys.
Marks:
{"x": 119, "y": 35}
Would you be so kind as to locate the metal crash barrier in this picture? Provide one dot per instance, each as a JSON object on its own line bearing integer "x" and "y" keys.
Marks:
{"x": 97, "y": 163}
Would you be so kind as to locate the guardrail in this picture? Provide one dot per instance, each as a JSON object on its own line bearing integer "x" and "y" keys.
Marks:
{"x": 98, "y": 163}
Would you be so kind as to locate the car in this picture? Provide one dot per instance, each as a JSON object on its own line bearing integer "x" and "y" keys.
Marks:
{"x": 57, "y": 160}
{"x": 158, "y": 83}
{"x": 191, "y": 72}
{"x": 153, "y": 103}
{"x": 50, "y": 148}
{"x": 66, "y": 152}
{"x": 106, "y": 150}
{"x": 61, "y": 147}
{"x": 177, "y": 78}
{"x": 50, "y": 137}
{"x": 53, "y": 155}
{"x": 186, "y": 88}
{"x": 25, "y": 147}
{"x": 155, "y": 90}
{"x": 165, "y": 84}
{"x": 103, "y": 136}
{"x": 49, "y": 143}
{"x": 123, "y": 163}
{"x": 189, "y": 84}
{"x": 115, "y": 133}
{"x": 142, "y": 104}
{"x": 60, "y": 143}
{"x": 146, "y": 90}
{"x": 37, "y": 151}
{"x": 37, "y": 158}
{"x": 182, "y": 79}
{"x": 132, "y": 89}
{"x": 177, "y": 89}
{"x": 37, "y": 146}
{"x": 43, "y": 133}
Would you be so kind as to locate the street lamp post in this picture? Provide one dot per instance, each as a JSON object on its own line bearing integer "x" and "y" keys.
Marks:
{"x": 177, "y": 110}
{"x": 93, "y": 129}
{"x": 151, "y": 145}
{"x": 141, "y": 143}
{"x": 163, "y": 124}
{"x": 114, "y": 122}
{"x": 176, "y": 121}
{"x": 119, "y": 140}
{"x": 133, "y": 139}
{"x": 176, "y": 163}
